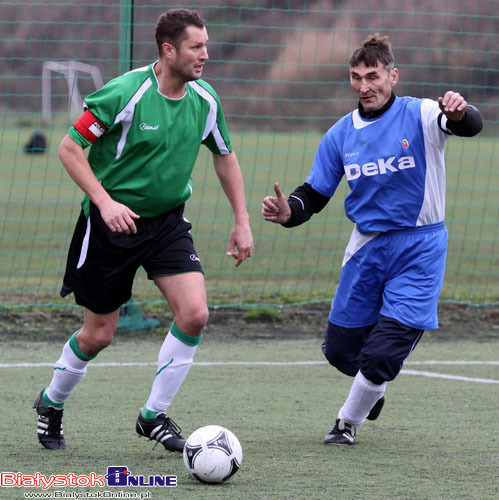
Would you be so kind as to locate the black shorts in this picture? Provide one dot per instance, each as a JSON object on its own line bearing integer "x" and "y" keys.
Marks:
{"x": 377, "y": 350}
{"x": 101, "y": 265}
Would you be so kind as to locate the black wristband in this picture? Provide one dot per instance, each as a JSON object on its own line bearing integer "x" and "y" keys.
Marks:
{"x": 469, "y": 125}
{"x": 304, "y": 201}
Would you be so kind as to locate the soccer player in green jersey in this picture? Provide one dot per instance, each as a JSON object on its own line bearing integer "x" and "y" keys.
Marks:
{"x": 144, "y": 130}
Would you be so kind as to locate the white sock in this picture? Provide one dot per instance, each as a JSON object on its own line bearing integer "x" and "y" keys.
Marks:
{"x": 174, "y": 361}
{"x": 69, "y": 369}
{"x": 362, "y": 397}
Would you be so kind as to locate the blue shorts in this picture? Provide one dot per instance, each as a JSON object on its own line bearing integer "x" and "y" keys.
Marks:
{"x": 398, "y": 274}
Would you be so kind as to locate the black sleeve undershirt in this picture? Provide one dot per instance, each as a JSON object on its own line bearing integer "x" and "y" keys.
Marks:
{"x": 304, "y": 201}
{"x": 469, "y": 125}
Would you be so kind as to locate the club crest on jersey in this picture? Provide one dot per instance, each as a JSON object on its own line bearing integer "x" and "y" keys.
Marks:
{"x": 405, "y": 143}
{"x": 379, "y": 167}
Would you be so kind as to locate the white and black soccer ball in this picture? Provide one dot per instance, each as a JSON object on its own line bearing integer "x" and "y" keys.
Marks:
{"x": 212, "y": 454}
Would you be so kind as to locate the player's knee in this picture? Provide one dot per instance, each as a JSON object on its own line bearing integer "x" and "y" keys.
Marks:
{"x": 337, "y": 359}
{"x": 380, "y": 367}
{"x": 103, "y": 339}
{"x": 390, "y": 344}
{"x": 91, "y": 342}
{"x": 193, "y": 321}
{"x": 341, "y": 348}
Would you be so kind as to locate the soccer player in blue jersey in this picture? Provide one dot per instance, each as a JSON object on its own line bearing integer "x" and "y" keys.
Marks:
{"x": 144, "y": 130}
{"x": 391, "y": 151}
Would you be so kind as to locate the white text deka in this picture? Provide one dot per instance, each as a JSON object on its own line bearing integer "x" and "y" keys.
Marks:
{"x": 381, "y": 166}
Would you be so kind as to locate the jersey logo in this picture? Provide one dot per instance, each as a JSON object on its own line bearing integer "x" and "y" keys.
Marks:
{"x": 144, "y": 126}
{"x": 380, "y": 167}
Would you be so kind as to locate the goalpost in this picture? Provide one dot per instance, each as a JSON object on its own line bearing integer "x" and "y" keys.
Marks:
{"x": 70, "y": 71}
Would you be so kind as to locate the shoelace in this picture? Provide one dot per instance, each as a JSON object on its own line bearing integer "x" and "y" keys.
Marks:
{"x": 54, "y": 418}
{"x": 169, "y": 425}
{"x": 347, "y": 428}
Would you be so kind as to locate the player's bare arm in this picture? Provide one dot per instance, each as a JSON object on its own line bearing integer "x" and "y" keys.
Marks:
{"x": 276, "y": 208}
{"x": 229, "y": 173}
{"x": 118, "y": 217}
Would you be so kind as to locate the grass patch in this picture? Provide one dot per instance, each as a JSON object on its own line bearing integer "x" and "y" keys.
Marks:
{"x": 416, "y": 449}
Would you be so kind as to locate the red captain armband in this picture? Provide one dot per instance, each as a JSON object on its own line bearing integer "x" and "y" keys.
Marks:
{"x": 89, "y": 127}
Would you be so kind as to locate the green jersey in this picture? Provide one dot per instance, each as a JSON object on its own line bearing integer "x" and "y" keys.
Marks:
{"x": 143, "y": 145}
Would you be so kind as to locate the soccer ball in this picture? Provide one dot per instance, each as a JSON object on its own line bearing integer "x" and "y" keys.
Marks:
{"x": 212, "y": 454}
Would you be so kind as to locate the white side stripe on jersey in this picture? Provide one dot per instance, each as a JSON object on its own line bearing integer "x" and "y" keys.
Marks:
{"x": 211, "y": 120}
{"x": 222, "y": 146}
{"x": 433, "y": 206}
{"x": 126, "y": 115}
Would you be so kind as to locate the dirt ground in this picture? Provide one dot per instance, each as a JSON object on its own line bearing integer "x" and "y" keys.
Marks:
{"x": 456, "y": 322}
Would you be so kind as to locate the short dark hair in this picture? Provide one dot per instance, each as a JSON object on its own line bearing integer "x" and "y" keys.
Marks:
{"x": 171, "y": 26}
{"x": 375, "y": 48}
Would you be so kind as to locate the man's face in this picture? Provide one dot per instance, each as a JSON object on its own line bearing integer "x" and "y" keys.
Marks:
{"x": 372, "y": 84}
{"x": 192, "y": 53}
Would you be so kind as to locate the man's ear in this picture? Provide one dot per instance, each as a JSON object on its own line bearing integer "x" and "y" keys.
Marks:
{"x": 168, "y": 50}
{"x": 394, "y": 76}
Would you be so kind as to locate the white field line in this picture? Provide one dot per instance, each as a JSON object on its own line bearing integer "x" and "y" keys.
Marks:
{"x": 242, "y": 363}
{"x": 450, "y": 377}
{"x": 296, "y": 363}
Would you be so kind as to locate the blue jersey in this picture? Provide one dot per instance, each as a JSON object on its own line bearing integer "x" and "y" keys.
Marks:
{"x": 394, "y": 165}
